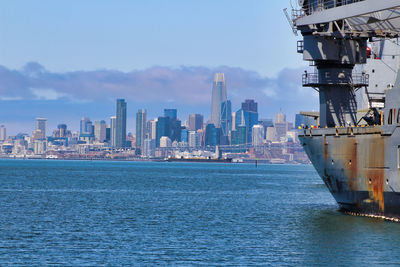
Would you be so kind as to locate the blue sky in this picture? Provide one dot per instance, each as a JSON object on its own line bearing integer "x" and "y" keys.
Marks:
{"x": 73, "y": 42}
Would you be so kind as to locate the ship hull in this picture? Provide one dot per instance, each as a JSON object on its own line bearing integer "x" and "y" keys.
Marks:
{"x": 359, "y": 165}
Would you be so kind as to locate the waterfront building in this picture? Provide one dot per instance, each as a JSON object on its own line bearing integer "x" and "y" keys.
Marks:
{"x": 39, "y": 147}
{"x": 113, "y": 131}
{"x": 149, "y": 148}
{"x": 41, "y": 125}
{"x": 3, "y": 133}
{"x": 120, "y": 131}
{"x": 218, "y": 96}
{"x": 100, "y": 131}
{"x": 257, "y": 135}
{"x": 184, "y": 135}
{"x": 140, "y": 130}
{"x": 193, "y": 139}
{"x": 195, "y": 122}
{"x": 165, "y": 141}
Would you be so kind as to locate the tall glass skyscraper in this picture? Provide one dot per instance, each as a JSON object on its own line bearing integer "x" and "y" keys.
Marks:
{"x": 226, "y": 117}
{"x": 218, "y": 96}
{"x": 113, "y": 131}
{"x": 140, "y": 130}
{"x": 120, "y": 130}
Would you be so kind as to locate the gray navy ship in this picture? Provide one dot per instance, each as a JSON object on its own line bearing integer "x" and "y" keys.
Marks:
{"x": 355, "y": 147}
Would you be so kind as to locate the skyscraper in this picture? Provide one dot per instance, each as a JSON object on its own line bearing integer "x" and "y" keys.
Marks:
{"x": 195, "y": 122}
{"x": 250, "y": 105}
{"x": 41, "y": 125}
{"x": 171, "y": 113}
{"x": 86, "y": 127}
{"x": 248, "y": 117}
{"x": 163, "y": 128}
{"x": 140, "y": 130}
{"x": 257, "y": 135}
{"x": 120, "y": 130}
{"x": 173, "y": 131}
{"x": 113, "y": 131}
{"x": 100, "y": 131}
{"x": 3, "y": 133}
{"x": 226, "y": 118}
{"x": 218, "y": 96}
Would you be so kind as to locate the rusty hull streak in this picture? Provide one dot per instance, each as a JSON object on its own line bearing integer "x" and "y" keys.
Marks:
{"x": 352, "y": 162}
{"x": 375, "y": 172}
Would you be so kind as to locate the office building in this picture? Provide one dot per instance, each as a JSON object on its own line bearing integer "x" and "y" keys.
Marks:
{"x": 213, "y": 135}
{"x": 149, "y": 148}
{"x": 3, "y": 133}
{"x": 226, "y": 119}
{"x": 163, "y": 128}
{"x": 193, "y": 139}
{"x": 171, "y": 113}
{"x": 140, "y": 130}
{"x": 120, "y": 131}
{"x": 257, "y": 135}
{"x": 86, "y": 127}
{"x": 100, "y": 131}
{"x": 280, "y": 125}
{"x": 165, "y": 141}
{"x": 41, "y": 125}
{"x": 218, "y": 96}
{"x": 195, "y": 122}
{"x": 250, "y": 105}
{"x": 113, "y": 131}
{"x": 247, "y": 117}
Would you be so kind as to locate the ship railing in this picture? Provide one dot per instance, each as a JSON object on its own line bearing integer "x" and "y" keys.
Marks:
{"x": 320, "y": 5}
{"x": 355, "y": 80}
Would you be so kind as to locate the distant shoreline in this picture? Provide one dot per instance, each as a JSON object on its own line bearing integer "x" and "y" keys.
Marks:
{"x": 248, "y": 161}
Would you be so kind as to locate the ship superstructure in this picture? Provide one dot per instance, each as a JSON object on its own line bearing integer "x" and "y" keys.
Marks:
{"x": 356, "y": 147}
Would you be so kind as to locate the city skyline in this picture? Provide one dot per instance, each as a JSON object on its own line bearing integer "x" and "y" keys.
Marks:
{"x": 78, "y": 69}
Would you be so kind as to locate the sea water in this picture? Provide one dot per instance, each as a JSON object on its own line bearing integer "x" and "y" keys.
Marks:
{"x": 93, "y": 213}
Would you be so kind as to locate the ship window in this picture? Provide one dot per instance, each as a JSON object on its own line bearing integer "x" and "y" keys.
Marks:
{"x": 398, "y": 115}
{"x": 376, "y": 85}
{"x": 393, "y": 57}
{"x": 373, "y": 71}
{"x": 390, "y": 117}
{"x": 398, "y": 157}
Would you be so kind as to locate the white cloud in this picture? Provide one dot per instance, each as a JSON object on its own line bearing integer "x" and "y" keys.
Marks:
{"x": 46, "y": 94}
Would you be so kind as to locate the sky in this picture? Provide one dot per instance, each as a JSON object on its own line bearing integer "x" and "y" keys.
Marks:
{"x": 67, "y": 59}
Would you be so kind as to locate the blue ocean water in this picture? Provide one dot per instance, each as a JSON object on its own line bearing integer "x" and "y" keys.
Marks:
{"x": 93, "y": 213}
